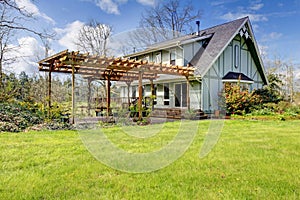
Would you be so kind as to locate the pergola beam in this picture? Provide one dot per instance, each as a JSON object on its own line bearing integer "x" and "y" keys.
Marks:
{"x": 120, "y": 77}
{"x": 84, "y": 62}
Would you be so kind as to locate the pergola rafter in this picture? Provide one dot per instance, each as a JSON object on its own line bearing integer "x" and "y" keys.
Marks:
{"x": 95, "y": 67}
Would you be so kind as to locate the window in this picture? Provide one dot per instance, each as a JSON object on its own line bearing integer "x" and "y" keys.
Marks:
{"x": 158, "y": 57}
{"x": 146, "y": 57}
{"x": 166, "y": 94}
{"x": 154, "y": 94}
{"x": 172, "y": 57}
{"x": 236, "y": 56}
{"x": 133, "y": 94}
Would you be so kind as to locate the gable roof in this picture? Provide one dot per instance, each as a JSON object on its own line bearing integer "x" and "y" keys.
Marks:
{"x": 222, "y": 35}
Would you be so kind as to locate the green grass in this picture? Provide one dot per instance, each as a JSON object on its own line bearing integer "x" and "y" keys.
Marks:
{"x": 252, "y": 160}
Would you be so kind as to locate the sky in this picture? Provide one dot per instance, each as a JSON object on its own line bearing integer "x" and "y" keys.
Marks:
{"x": 276, "y": 23}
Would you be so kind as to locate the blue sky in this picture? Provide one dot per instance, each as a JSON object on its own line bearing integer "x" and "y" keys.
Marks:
{"x": 276, "y": 23}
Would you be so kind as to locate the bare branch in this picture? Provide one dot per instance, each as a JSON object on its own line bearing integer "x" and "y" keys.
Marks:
{"x": 165, "y": 21}
{"x": 93, "y": 38}
{"x": 12, "y": 18}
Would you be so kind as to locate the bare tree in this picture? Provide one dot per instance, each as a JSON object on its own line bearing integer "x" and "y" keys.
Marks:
{"x": 5, "y": 34}
{"x": 93, "y": 38}
{"x": 15, "y": 16}
{"x": 282, "y": 77}
{"x": 12, "y": 18}
{"x": 290, "y": 82}
{"x": 167, "y": 20}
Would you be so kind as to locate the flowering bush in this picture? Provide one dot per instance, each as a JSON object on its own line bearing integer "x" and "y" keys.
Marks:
{"x": 239, "y": 100}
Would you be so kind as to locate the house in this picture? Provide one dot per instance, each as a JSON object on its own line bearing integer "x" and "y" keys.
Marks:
{"x": 223, "y": 53}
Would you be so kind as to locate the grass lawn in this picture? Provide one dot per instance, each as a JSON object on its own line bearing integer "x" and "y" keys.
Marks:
{"x": 252, "y": 160}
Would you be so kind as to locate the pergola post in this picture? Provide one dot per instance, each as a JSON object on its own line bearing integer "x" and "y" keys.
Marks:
{"x": 128, "y": 92}
{"x": 108, "y": 96}
{"x": 89, "y": 96}
{"x": 140, "y": 102}
{"x": 73, "y": 95}
{"x": 188, "y": 92}
{"x": 152, "y": 94}
{"x": 49, "y": 93}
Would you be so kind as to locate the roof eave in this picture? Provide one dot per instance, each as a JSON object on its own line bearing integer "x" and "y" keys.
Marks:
{"x": 236, "y": 81}
{"x": 172, "y": 45}
{"x": 258, "y": 54}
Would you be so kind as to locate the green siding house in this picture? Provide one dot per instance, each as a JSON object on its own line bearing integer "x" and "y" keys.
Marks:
{"x": 223, "y": 53}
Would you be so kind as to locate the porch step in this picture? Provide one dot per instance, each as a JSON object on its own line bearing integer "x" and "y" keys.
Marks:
{"x": 177, "y": 113}
{"x": 200, "y": 114}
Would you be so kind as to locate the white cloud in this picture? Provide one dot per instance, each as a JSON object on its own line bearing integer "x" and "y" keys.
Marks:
{"x": 275, "y": 35}
{"x": 253, "y": 17}
{"x": 221, "y": 2}
{"x": 33, "y": 9}
{"x": 26, "y": 54}
{"x": 112, "y": 6}
{"x": 257, "y": 6}
{"x": 147, "y": 2}
{"x": 108, "y": 6}
{"x": 122, "y": 1}
{"x": 68, "y": 34}
{"x": 271, "y": 37}
{"x": 250, "y": 11}
{"x": 280, "y": 4}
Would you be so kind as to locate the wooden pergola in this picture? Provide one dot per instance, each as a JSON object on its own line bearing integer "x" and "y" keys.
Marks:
{"x": 93, "y": 67}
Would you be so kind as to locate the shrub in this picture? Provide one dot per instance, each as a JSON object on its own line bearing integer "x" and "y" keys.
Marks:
{"x": 267, "y": 95}
{"x": 18, "y": 116}
{"x": 9, "y": 127}
{"x": 239, "y": 100}
{"x": 51, "y": 125}
{"x": 274, "y": 111}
